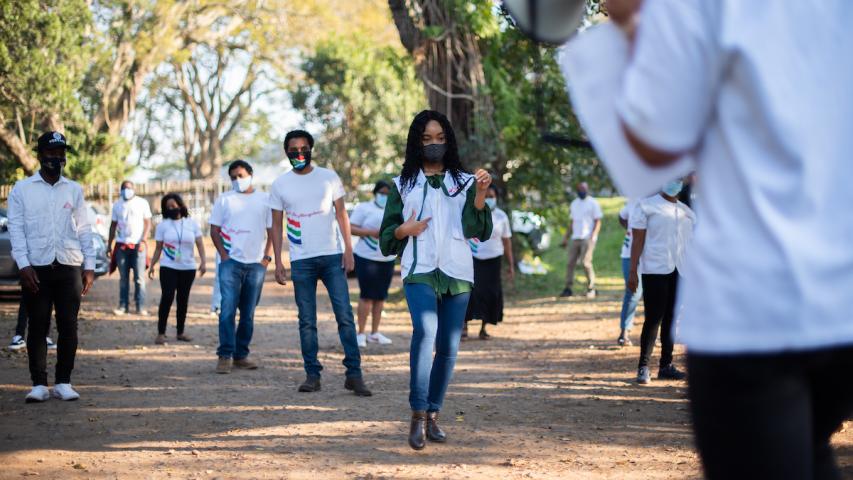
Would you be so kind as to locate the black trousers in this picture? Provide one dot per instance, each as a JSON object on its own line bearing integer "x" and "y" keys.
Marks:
{"x": 174, "y": 281}
{"x": 60, "y": 287}
{"x": 770, "y": 416}
{"x": 659, "y": 300}
{"x": 21, "y": 326}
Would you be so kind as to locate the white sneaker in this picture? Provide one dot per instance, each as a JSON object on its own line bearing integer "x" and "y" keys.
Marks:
{"x": 38, "y": 394}
{"x": 119, "y": 311}
{"x": 17, "y": 343}
{"x": 214, "y": 312}
{"x": 379, "y": 338}
{"x": 362, "y": 340}
{"x": 50, "y": 344}
{"x": 63, "y": 391}
{"x": 143, "y": 313}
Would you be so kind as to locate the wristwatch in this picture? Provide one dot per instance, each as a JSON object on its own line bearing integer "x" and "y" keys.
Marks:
{"x": 268, "y": 258}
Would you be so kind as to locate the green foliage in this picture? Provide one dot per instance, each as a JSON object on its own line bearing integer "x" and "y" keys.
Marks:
{"x": 365, "y": 96}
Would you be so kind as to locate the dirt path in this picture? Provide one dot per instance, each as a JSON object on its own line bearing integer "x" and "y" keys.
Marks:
{"x": 549, "y": 397}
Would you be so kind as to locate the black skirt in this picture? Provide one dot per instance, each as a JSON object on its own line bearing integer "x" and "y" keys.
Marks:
{"x": 374, "y": 278}
{"x": 487, "y": 297}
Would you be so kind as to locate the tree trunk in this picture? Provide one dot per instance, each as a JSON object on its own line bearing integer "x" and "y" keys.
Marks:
{"x": 19, "y": 150}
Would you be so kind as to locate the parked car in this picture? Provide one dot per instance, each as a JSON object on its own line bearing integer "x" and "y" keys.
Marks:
{"x": 100, "y": 221}
{"x": 9, "y": 269}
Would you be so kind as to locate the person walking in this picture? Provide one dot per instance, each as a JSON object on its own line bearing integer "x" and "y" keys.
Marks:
{"x": 487, "y": 299}
{"x": 661, "y": 227}
{"x": 318, "y": 232}
{"x": 175, "y": 237}
{"x": 130, "y": 226}
{"x": 581, "y": 238}
{"x": 53, "y": 246}
{"x": 374, "y": 270}
{"x": 433, "y": 207}
{"x": 240, "y": 230}
{"x": 630, "y": 299}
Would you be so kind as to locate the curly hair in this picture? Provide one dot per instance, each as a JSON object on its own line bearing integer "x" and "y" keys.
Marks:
{"x": 415, "y": 149}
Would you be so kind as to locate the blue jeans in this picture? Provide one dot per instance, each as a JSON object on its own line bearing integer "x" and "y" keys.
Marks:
{"x": 240, "y": 284}
{"x": 304, "y": 274}
{"x": 629, "y": 300}
{"x": 216, "y": 298}
{"x": 127, "y": 260}
{"x": 437, "y": 322}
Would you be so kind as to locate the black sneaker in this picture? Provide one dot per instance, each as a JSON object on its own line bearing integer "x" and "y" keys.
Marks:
{"x": 566, "y": 293}
{"x": 669, "y": 372}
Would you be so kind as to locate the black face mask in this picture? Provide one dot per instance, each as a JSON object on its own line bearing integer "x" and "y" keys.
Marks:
{"x": 434, "y": 152}
{"x": 52, "y": 165}
{"x": 173, "y": 213}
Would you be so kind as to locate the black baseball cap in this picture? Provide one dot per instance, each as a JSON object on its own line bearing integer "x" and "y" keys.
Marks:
{"x": 53, "y": 140}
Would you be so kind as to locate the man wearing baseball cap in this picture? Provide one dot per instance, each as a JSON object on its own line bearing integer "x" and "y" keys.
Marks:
{"x": 52, "y": 243}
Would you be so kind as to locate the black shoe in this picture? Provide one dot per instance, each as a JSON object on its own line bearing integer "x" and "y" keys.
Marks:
{"x": 417, "y": 430}
{"x": 356, "y": 384}
{"x": 311, "y": 384}
{"x": 566, "y": 293}
{"x": 433, "y": 432}
{"x": 669, "y": 372}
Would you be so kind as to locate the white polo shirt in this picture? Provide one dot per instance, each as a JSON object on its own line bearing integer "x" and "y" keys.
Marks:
{"x": 762, "y": 99}
{"x": 584, "y": 214}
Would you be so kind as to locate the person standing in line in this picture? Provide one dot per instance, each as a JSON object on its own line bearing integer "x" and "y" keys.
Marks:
{"x": 583, "y": 233}
{"x": 317, "y": 223}
{"x": 53, "y": 245}
{"x": 240, "y": 228}
{"x": 630, "y": 299}
{"x": 175, "y": 237}
{"x": 18, "y": 342}
{"x": 487, "y": 299}
{"x": 130, "y": 226}
{"x": 373, "y": 269}
{"x": 432, "y": 208}
{"x": 661, "y": 227}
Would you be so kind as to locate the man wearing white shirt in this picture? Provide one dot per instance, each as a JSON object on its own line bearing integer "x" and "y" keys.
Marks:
{"x": 759, "y": 97}
{"x": 53, "y": 245}
{"x": 130, "y": 226}
{"x": 583, "y": 232}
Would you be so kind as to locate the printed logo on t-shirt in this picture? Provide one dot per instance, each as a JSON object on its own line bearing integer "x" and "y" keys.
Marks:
{"x": 294, "y": 231}
{"x": 226, "y": 240}
{"x": 371, "y": 243}
{"x": 171, "y": 251}
{"x": 474, "y": 243}
{"x": 627, "y": 240}
{"x": 67, "y": 205}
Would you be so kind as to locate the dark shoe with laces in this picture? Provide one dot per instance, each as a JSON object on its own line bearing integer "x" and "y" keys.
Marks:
{"x": 669, "y": 372}
{"x": 417, "y": 430}
{"x": 433, "y": 432}
{"x": 311, "y": 384}
{"x": 566, "y": 292}
{"x": 356, "y": 384}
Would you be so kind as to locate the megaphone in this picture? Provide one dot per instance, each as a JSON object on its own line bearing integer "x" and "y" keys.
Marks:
{"x": 547, "y": 21}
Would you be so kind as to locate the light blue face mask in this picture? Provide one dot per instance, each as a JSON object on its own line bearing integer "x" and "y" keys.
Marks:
{"x": 673, "y": 188}
{"x": 127, "y": 193}
{"x": 492, "y": 203}
{"x": 381, "y": 200}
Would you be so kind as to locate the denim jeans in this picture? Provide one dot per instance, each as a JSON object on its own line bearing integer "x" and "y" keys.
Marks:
{"x": 630, "y": 300}
{"x": 127, "y": 260}
{"x": 216, "y": 298}
{"x": 240, "y": 284}
{"x": 305, "y": 273}
{"x": 437, "y": 322}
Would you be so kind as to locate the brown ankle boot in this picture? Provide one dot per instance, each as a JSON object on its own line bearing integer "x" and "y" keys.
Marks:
{"x": 417, "y": 431}
{"x": 433, "y": 432}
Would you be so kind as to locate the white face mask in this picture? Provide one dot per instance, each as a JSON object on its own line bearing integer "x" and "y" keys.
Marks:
{"x": 492, "y": 203}
{"x": 381, "y": 199}
{"x": 127, "y": 193}
{"x": 241, "y": 184}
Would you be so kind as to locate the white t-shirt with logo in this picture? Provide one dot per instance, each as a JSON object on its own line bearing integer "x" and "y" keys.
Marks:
{"x": 493, "y": 247}
{"x": 244, "y": 219}
{"x": 130, "y": 216}
{"x": 178, "y": 237}
{"x": 369, "y": 215}
{"x": 584, "y": 214}
{"x": 308, "y": 201}
{"x": 625, "y": 214}
{"x": 669, "y": 229}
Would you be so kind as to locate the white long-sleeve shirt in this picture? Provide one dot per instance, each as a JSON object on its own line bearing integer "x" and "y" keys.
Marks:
{"x": 50, "y": 222}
